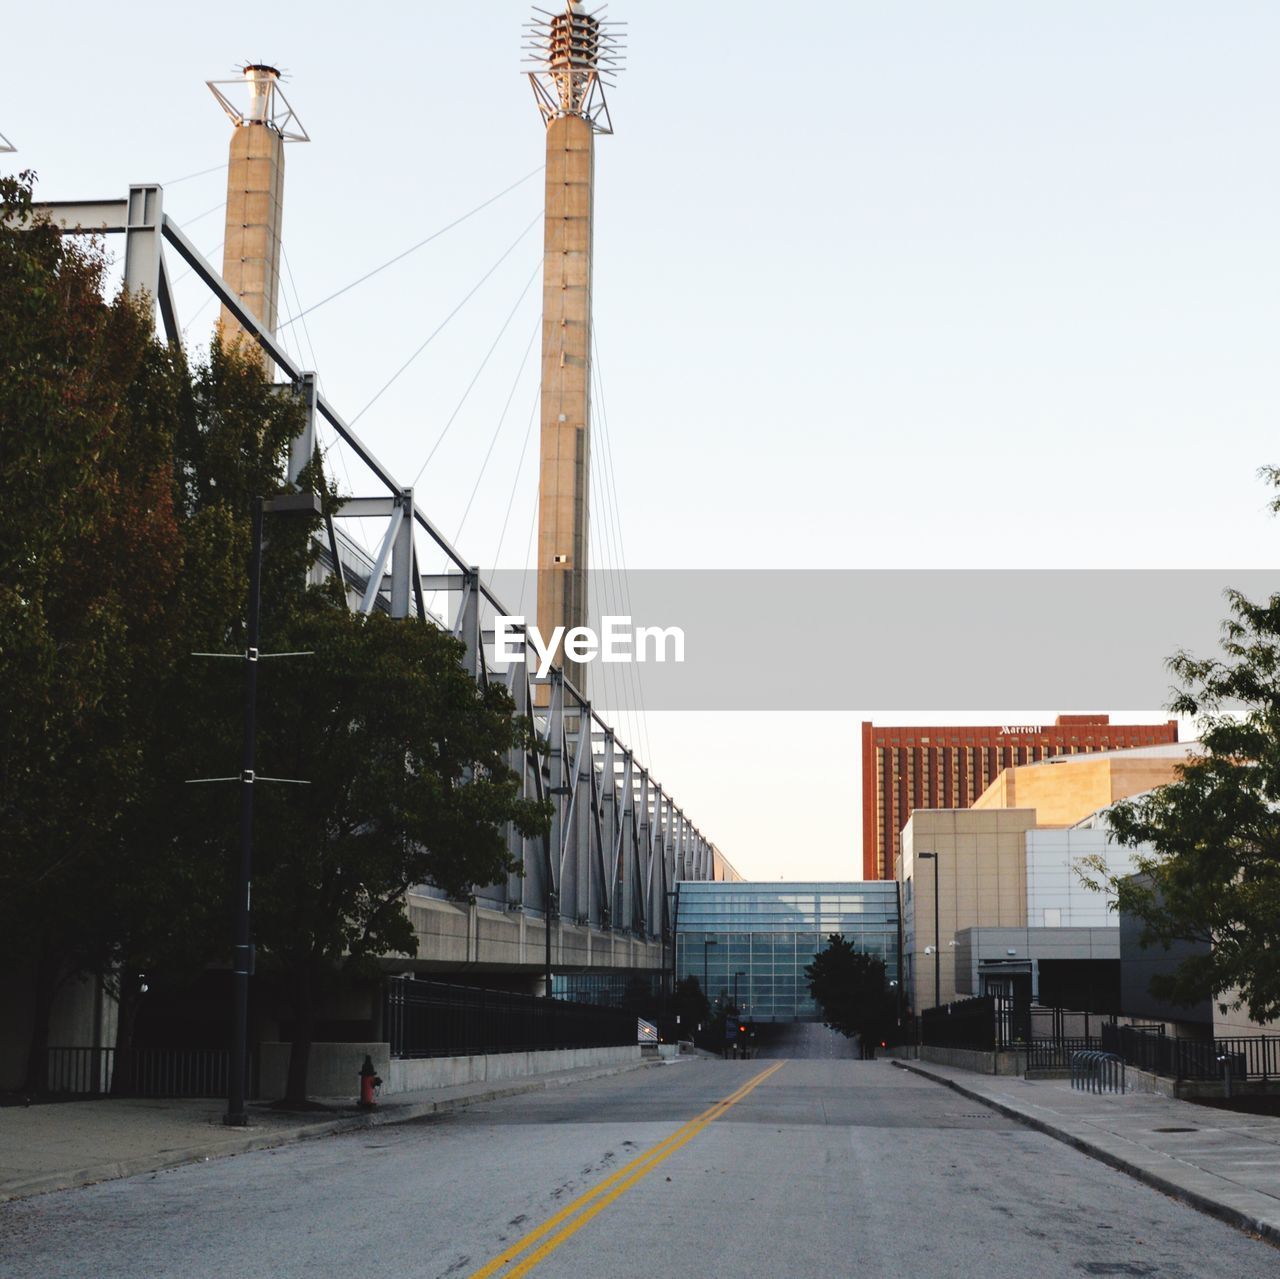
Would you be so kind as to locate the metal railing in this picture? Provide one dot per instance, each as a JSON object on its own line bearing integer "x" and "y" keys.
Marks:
{"x": 143, "y": 1072}
{"x": 84, "y": 1071}
{"x": 1098, "y": 1072}
{"x": 434, "y": 1019}
{"x": 1056, "y": 1054}
{"x": 967, "y": 1023}
{"x": 1242, "y": 1057}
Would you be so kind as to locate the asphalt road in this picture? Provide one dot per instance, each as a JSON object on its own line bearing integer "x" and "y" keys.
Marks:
{"x": 818, "y": 1168}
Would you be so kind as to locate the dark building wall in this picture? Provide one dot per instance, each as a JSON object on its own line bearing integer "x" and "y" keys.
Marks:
{"x": 1137, "y": 967}
{"x": 1086, "y": 985}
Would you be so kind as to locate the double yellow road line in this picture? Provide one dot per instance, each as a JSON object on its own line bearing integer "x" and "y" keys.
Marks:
{"x": 571, "y": 1218}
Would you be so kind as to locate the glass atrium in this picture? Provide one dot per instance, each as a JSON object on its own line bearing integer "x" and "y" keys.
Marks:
{"x": 761, "y": 936}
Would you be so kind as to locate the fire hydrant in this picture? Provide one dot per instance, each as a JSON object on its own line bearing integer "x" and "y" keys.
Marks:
{"x": 369, "y": 1080}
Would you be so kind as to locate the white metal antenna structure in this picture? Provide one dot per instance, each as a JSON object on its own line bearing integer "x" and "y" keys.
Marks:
{"x": 575, "y": 54}
{"x": 267, "y": 102}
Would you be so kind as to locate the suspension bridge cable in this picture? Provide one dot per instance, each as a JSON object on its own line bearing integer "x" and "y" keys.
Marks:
{"x": 186, "y": 222}
{"x": 436, "y": 332}
{"x": 298, "y": 315}
{"x": 502, "y": 537}
{"x": 502, "y": 417}
{"x": 613, "y": 483}
{"x": 528, "y": 550}
{"x": 617, "y": 698}
{"x": 615, "y": 574}
{"x": 453, "y": 417}
{"x": 358, "y": 534}
{"x": 191, "y": 270}
{"x": 435, "y": 235}
{"x": 173, "y": 182}
{"x": 213, "y": 297}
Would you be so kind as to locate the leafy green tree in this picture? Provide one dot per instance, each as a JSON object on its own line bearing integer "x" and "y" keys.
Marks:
{"x": 126, "y": 484}
{"x": 406, "y": 760}
{"x": 89, "y": 553}
{"x": 170, "y": 913}
{"x": 691, "y": 1005}
{"x": 1214, "y": 874}
{"x": 850, "y": 988}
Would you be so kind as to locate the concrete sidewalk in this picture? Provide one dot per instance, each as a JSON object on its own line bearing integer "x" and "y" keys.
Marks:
{"x": 1223, "y": 1163}
{"x": 75, "y": 1143}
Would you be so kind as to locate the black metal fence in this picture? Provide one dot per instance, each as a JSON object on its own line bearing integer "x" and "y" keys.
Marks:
{"x": 1243, "y": 1056}
{"x": 1057, "y": 1034}
{"x": 996, "y": 1023}
{"x": 143, "y": 1072}
{"x": 967, "y": 1023}
{"x": 434, "y": 1019}
{"x": 1056, "y": 1054}
{"x": 81, "y": 1070}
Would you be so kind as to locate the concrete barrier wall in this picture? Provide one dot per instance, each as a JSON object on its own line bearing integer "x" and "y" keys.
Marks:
{"x": 410, "y": 1074}
{"x": 1003, "y": 1063}
{"x": 333, "y": 1070}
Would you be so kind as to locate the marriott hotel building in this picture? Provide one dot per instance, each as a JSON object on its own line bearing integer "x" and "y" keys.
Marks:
{"x": 950, "y": 766}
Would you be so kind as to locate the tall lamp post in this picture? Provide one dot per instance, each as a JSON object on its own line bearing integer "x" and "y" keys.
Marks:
{"x": 937, "y": 949}
{"x": 291, "y": 504}
{"x": 675, "y": 936}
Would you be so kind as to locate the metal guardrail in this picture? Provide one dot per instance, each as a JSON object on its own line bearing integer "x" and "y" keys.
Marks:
{"x": 1094, "y": 1071}
{"x": 149, "y": 1072}
{"x": 435, "y": 1019}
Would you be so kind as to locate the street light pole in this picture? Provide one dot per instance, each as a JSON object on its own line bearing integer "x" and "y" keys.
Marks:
{"x": 675, "y": 938}
{"x": 236, "y": 1115}
{"x": 937, "y": 944}
{"x": 306, "y": 504}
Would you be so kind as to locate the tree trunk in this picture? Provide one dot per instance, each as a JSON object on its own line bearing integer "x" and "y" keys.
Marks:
{"x": 304, "y": 1012}
{"x": 47, "y": 981}
{"x": 129, "y": 995}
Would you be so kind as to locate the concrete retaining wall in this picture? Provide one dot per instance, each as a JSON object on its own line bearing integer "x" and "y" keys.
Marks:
{"x": 1004, "y": 1063}
{"x": 334, "y": 1069}
{"x": 410, "y": 1074}
{"x": 1191, "y": 1089}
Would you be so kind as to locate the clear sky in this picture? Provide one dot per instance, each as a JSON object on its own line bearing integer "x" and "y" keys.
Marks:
{"x": 933, "y": 285}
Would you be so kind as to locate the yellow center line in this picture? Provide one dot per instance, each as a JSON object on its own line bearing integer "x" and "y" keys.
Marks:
{"x": 613, "y": 1186}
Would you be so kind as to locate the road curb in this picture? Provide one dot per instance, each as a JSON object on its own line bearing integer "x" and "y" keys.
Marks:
{"x": 1193, "y": 1198}
{"x": 264, "y": 1139}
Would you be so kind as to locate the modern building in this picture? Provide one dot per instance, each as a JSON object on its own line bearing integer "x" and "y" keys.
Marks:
{"x": 977, "y": 862}
{"x": 951, "y": 766}
{"x": 1064, "y": 790}
{"x": 1012, "y": 909}
{"x": 751, "y": 942}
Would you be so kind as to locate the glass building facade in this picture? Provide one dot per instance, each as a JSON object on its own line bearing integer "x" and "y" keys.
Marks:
{"x": 760, "y": 937}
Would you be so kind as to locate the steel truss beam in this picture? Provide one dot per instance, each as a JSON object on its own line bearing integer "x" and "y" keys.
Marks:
{"x": 618, "y": 842}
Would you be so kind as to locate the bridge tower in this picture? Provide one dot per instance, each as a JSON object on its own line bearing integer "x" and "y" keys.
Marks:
{"x": 575, "y": 55}
{"x": 255, "y": 193}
